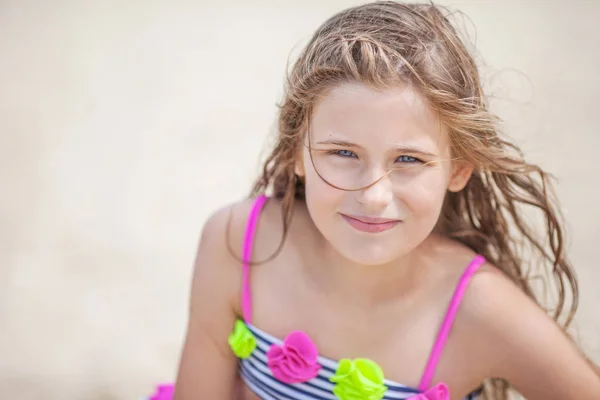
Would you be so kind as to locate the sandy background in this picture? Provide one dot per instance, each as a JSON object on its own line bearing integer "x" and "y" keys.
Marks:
{"x": 124, "y": 123}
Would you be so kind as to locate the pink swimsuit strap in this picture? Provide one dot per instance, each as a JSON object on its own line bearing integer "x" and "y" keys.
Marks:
{"x": 247, "y": 254}
{"x": 442, "y": 337}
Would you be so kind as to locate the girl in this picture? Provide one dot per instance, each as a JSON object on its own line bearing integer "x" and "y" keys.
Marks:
{"x": 391, "y": 259}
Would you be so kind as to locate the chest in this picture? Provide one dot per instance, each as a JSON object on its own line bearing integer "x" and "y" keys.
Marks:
{"x": 398, "y": 335}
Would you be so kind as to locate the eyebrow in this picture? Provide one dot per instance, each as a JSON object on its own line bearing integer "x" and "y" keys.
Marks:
{"x": 400, "y": 149}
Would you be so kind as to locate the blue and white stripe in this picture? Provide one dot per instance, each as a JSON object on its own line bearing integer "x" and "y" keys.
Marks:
{"x": 260, "y": 380}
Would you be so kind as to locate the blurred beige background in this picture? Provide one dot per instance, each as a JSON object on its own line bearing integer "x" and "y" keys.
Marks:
{"x": 124, "y": 123}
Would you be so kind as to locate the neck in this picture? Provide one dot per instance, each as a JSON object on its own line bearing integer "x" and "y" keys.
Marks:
{"x": 342, "y": 278}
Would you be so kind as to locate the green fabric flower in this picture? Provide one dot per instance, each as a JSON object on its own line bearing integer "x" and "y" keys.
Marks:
{"x": 358, "y": 379}
{"x": 242, "y": 341}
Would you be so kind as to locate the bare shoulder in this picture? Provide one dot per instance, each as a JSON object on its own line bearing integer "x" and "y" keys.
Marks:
{"x": 217, "y": 268}
{"x": 270, "y": 240}
{"x": 501, "y": 332}
{"x": 491, "y": 290}
{"x": 219, "y": 255}
{"x": 511, "y": 337}
{"x": 225, "y": 228}
{"x": 494, "y": 305}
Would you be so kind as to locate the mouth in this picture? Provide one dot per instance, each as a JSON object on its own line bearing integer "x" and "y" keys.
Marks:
{"x": 370, "y": 224}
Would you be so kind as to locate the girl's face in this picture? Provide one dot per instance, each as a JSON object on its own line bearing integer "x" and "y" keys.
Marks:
{"x": 359, "y": 135}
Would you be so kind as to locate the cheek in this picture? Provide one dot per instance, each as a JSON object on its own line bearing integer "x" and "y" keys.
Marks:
{"x": 320, "y": 197}
{"x": 322, "y": 202}
{"x": 424, "y": 196}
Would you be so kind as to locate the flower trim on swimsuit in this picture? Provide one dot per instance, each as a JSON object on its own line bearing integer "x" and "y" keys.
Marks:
{"x": 296, "y": 360}
{"x": 242, "y": 341}
{"x": 437, "y": 392}
{"x": 164, "y": 391}
{"x": 358, "y": 379}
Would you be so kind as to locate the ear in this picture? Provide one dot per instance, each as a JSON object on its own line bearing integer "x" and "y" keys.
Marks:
{"x": 299, "y": 167}
{"x": 461, "y": 172}
{"x": 299, "y": 162}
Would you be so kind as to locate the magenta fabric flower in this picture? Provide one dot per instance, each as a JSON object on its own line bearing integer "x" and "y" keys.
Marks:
{"x": 163, "y": 392}
{"x": 437, "y": 392}
{"x": 295, "y": 360}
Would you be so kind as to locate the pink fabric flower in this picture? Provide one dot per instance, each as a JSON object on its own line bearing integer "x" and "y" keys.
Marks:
{"x": 163, "y": 392}
{"x": 437, "y": 392}
{"x": 295, "y": 360}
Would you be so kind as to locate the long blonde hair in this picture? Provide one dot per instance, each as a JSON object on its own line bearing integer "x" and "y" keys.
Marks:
{"x": 383, "y": 43}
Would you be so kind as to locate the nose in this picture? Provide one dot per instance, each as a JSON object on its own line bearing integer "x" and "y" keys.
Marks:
{"x": 378, "y": 196}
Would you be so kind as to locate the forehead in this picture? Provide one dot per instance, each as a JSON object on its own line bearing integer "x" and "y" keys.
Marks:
{"x": 363, "y": 115}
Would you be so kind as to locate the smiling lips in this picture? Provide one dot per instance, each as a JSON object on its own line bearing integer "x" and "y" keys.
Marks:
{"x": 370, "y": 224}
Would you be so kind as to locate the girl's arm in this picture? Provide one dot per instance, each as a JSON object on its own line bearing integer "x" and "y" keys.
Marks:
{"x": 523, "y": 345}
{"x": 207, "y": 367}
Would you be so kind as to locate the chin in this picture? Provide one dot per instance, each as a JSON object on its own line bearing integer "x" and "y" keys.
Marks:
{"x": 371, "y": 254}
{"x": 378, "y": 249}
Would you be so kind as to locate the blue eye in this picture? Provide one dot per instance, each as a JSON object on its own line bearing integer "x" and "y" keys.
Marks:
{"x": 345, "y": 153}
{"x": 408, "y": 159}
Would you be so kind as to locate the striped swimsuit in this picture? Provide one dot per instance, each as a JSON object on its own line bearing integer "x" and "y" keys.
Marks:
{"x": 265, "y": 372}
